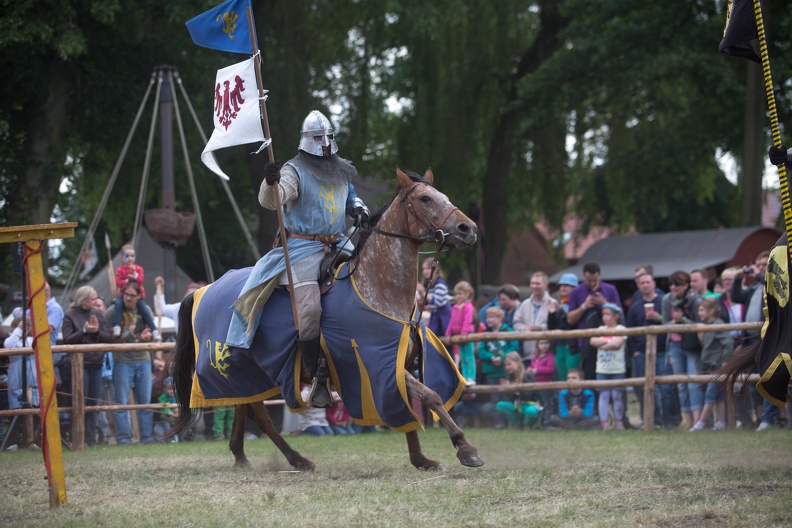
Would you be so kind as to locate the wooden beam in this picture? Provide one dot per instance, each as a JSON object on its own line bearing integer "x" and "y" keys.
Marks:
{"x": 37, "y": 232}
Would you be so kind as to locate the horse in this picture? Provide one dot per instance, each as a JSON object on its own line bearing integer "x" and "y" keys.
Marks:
{"x": 383, "y": 271}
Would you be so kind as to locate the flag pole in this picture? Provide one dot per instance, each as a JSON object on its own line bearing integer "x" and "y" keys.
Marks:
{"x": 771, "y": 105}
{"x": 271, "y": 154}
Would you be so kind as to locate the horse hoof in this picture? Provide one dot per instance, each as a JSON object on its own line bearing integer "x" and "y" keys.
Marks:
{"x": 304, "y": 465}
{"x": 427, "y": 464}
{"x": 470, "y": 459}
{"x": 242, "y": 463}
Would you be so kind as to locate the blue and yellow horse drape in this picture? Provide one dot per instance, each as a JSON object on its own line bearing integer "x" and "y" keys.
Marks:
{"x": 366, "y": 349}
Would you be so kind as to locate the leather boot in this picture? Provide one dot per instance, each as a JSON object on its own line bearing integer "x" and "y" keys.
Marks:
{"x": 316, "y": 363}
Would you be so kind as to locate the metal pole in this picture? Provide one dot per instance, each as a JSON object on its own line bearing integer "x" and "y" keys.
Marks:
{"x": 168, "y": 186}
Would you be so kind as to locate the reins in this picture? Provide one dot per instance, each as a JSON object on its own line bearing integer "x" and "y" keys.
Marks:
{"x": 438, "y": 238}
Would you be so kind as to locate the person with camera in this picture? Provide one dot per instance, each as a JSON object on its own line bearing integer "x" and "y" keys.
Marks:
{"x": 680, "y": 306}
{"x": 748, "y": 289}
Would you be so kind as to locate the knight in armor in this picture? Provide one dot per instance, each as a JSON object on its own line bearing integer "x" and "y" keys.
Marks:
{"x": 317, "y": 194}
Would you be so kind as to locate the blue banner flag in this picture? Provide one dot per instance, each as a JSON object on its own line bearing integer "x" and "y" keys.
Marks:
{"x": 224, "y": 28}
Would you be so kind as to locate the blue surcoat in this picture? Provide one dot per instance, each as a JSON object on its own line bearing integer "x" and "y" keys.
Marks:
{"x": 320, "y": 209}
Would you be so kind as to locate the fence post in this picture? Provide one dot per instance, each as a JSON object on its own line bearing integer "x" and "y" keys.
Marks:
{"x": 78, "y": 403}
{"x": 649, "y": 384}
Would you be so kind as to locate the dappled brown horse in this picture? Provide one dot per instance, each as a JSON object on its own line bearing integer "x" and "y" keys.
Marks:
{"x": 385, "y": 276}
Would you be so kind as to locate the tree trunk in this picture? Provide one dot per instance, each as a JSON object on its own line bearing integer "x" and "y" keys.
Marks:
{"x": 753, "y": 148}
{"x": 495, "y": 196}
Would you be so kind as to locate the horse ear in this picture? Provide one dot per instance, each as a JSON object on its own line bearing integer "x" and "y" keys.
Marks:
{"x": 404, "y": 180}
{"x": 428, "y": 176}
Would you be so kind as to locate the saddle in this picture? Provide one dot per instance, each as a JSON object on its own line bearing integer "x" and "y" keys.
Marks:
{"x": 334, "y": 257}
{"x": 329, "y": 266}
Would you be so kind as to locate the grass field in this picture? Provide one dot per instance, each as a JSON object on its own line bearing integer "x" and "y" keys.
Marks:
{"x": 531, "y": 478}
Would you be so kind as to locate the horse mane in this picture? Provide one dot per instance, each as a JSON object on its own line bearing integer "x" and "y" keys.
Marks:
{"x": 417, "y": 178}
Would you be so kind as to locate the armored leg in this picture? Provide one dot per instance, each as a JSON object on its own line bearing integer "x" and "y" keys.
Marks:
{"x": 309, "y": 311}
{"x": 316, "y": 363}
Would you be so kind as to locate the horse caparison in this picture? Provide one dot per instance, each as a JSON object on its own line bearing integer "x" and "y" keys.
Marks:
{"x": 385, "y": 274}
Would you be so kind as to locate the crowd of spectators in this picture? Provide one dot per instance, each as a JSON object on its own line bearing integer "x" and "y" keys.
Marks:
{"x": 588, "y": 303}
{"x": 585, "y": 303}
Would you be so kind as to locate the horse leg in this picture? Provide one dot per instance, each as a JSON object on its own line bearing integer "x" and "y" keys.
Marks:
{"x": 262, "y": 417}
{"x": 417, "y": 458}
{"x": 237, "y": 440}
{"x": 466, "y": 452}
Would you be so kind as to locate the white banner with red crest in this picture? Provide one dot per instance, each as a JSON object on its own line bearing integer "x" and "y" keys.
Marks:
{"x": 236, "y": 116}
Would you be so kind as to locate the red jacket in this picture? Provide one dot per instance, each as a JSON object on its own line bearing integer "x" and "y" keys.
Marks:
{"x": 124, "y": 276}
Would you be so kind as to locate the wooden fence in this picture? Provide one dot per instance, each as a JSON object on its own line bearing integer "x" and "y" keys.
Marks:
{"x": 649, "y": 380}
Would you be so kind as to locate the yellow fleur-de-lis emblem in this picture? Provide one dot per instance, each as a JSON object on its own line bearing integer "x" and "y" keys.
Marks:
{"x": 328, "y": 195}
{"x": 229, "y": 19}
{"x": 218, "y": 358}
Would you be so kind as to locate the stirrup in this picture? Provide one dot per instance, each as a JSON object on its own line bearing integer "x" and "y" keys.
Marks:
{"x": 320, "y": 397}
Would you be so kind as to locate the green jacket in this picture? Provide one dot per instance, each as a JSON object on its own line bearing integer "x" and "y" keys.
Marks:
{"x": 491, "y": 349}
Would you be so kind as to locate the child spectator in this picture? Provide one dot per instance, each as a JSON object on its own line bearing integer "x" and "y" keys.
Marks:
{"x": 491, "y": 354}
{"x": 131, "y": 272}
{"x": 338, "y": 419}
{"x": 437, "y": 301}
{"x": 567, "y": 354}
{"x": 313, "y": 421}
{"x": 610, "y": 365}
{"x": 223, "y": 421}
{"x": 462, "y": 324}
{"x": 521, "y": 412}
{"x": 575, "y": 406}
{"x": 15, "y": 367}
{"x": 168, "y": 416}
{"x": 543, "y": 370}
{"x": 716, "y": 348}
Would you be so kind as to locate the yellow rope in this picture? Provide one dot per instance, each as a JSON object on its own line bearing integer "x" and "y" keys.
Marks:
{"x": 768, "y": 78}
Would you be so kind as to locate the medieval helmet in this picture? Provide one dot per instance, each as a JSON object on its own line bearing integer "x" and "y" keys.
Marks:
{"x": 316, "y": 124}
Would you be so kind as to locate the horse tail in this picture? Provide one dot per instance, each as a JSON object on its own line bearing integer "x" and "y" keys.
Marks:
{"x": 183, "y": 364}
{"x": 743, "y": 361}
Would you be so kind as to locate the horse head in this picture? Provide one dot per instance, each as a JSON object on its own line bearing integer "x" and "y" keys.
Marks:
{"x": 431, "y": 217}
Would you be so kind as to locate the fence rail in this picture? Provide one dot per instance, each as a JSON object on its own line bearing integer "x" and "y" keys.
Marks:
{"x": 649, "y": 380}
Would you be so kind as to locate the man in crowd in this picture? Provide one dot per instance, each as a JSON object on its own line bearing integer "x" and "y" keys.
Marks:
{"x": 640, "y": 270}
{"x": 531, "y": 315}
{"x": 132, "y": 370}
{"x": 507, "y": 299}
{"x": 698, "y": 282}
{"x": 585, "y": 309}
{"x": 647, "y": 312}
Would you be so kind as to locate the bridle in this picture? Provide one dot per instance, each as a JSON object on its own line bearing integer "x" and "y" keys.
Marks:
{"x": 438, "y": 237}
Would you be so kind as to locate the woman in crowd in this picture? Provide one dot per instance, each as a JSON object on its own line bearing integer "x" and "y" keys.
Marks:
{"x": 680, "y": 306}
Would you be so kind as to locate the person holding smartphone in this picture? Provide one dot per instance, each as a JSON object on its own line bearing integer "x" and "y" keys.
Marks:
{"x": 82, "y": 324}
{"x": 585, "y": 311}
